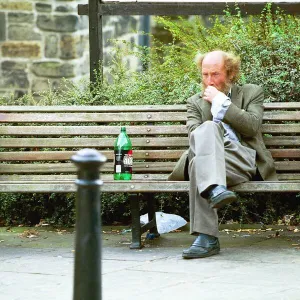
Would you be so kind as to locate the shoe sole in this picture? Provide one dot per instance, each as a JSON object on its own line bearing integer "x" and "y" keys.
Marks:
{"x": 224, "y": 199}
{"x": 191, "y": 255}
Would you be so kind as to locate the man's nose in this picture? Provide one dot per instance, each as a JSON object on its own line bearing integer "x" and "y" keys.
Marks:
{"x": 210, "y": 80}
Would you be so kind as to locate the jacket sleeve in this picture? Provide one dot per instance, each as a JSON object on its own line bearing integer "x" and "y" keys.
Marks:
{"x": 247, "y": 121}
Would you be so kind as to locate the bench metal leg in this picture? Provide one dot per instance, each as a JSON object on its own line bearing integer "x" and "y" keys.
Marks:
{"x": 151, "y": 213}
{"x": 136, "y": 230}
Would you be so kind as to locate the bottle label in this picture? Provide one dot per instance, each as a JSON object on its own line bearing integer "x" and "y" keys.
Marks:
{"x": 123, "y": 161}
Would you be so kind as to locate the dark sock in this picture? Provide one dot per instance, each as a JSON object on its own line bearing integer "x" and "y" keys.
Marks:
{"x": 207, "y": 191}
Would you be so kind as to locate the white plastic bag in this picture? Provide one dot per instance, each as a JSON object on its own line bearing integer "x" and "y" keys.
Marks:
{"x": 165, "y": 222}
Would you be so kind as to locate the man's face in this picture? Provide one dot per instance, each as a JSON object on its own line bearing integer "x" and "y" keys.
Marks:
{"x": 214, "y": 73}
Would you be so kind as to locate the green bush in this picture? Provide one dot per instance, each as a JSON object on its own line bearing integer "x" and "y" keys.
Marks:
{"x": 269, "y": 48}
{"x": 30, "y": 209}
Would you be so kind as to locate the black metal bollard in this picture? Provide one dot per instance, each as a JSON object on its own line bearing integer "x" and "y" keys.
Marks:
{"x": 87, "y": 272}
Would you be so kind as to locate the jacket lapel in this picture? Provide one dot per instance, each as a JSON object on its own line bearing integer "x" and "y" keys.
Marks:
{"x": 237, "y": 96}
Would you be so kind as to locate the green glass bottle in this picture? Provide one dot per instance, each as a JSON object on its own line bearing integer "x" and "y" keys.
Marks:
{"x": 123, "y": 156}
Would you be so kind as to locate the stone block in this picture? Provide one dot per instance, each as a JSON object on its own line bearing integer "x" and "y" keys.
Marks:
{"x": 5, "y": 95}
{"x": 120, "y": 29}
{"x": 71, "y": 46}
{"x": 125, "y": 24}
{"x": 84, "y": 66}
{"x": 2, "y": 26}
{"x": 16, "y": 5}
{"x": 122, "y": 25}
{"x": 66, "y": 8}
{"x": 107, "y": 36}
{"x": 22, "y": 32}
{"x": 53, "y": 69}
{"x": 107, "y": 58}
{"x": 108, "y": 76}
{"x": 43, "y": 7}
{"x": 67, "y": 23}
{"x": 21, "y": 49}
{"x": 20, "y": 17}
{"x": 9, "y": 65}
{"x": 15, "y": 79}
{"x": 84, "y": 22}
{"x": 133, "y": 24}
{"x": 43, "y": 84}
{"x": 19, "y": 93}
{"x": 51, "y": 46}
{"x": 10, "y": 95}
{"x": 86, "y": 42}
{"x": 105, "y": 20}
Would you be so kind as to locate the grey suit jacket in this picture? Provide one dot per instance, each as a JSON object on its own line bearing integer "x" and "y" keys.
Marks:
{"x": 244, "y": 115}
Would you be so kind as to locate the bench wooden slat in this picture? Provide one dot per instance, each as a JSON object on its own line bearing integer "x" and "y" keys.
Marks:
{"x": 69, "y": 177}
{"x": 131, "y": 130}
{"x": 123, "y": 117}
{"x": 281, "y": 116}
{"x": 285, "y": 153}
{"x": 151, "y": 154}
{"x": 91, "y": 117}
{"x": 146, "y": 142}
{"x": 280, "y": 128}
{"x": 47, "y": 168}
{"x": 66, "y": 155}
{"x": 263, "y": 186}
{"x": 282, "y": 140}
{"x": 104, "y": 108}
{"x": 92, "y": 130}
{"x": 72, "y": 177}
{"x": 287, "y": 166}
{"x": 90, "y": 142}
{"x": 138, "y": 167}
{"x": 281, "y": 105}
{"x": 140, "y": 186}
{"x": 129, "y": 108}
{"x": 288, "y": 176}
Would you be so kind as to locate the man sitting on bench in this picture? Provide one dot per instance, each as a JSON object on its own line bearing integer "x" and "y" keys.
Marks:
{"x": 225, "y": 146}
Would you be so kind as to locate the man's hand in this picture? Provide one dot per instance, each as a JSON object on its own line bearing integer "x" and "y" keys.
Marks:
{"x": 209, "y": 93}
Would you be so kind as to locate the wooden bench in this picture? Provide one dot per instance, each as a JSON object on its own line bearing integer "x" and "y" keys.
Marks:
{"x": 37, "y": 142}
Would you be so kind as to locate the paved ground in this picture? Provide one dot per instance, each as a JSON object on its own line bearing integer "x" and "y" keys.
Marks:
{"x": 38, "y": 264}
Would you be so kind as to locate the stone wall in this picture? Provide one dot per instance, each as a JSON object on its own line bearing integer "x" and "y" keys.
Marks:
{"x": 43, "y": 41}
{"x": 120, "y": 28}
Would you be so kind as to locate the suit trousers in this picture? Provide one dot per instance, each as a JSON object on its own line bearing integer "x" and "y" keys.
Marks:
{"x": 214, "y": 159}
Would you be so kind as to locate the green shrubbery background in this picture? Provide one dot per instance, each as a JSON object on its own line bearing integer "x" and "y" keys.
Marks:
{"x": 269, "y": 48}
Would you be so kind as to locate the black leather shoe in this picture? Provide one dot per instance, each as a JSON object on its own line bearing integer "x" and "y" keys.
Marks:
{"x": 220, "y": 196}
{"x": 203, "y": 246}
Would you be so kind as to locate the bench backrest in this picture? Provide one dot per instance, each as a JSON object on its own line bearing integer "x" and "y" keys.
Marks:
{"x": 39, "y": 141}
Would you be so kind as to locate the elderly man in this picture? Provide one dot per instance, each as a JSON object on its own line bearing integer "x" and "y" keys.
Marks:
{"x": 226, "y": 146}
